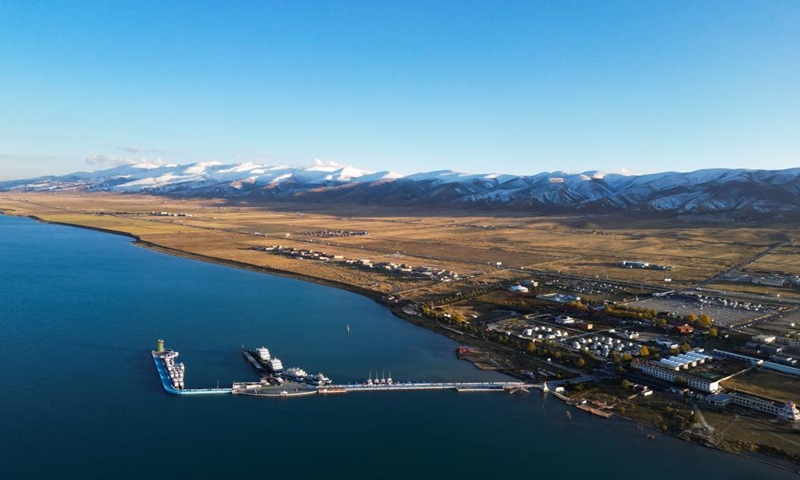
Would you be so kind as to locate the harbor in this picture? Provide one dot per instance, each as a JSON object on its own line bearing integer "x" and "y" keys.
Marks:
{"x": 276, "y": 382}
{"x": 171, "y": 374}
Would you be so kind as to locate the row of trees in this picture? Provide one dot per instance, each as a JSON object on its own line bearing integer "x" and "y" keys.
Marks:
{"x": 701, "y": 320}
{"x": 626, "y": 311}
{"x": 464, "y": 295}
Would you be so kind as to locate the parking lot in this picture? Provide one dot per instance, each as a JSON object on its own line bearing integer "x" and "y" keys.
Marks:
{"x": 721, "y": 314}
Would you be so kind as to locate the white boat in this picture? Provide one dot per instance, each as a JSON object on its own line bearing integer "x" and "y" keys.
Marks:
{"x": 263, "y": 354}
{"x": 318, "y": 379}
{"x": 295, "y": 373}
{"x": 276, "y": 365}
{"x": 175, "y": 371}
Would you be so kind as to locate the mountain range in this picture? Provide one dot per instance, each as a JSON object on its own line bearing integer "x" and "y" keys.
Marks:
{"x": 736, "y": 192}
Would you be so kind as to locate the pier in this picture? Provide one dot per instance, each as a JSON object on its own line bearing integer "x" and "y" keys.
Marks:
{"x": 294, "y": 389}
{"x": 509, "y": 387}
{"x": 288, "y": 388}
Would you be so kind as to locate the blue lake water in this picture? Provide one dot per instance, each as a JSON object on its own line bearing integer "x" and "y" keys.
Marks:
{"x": 80, "y": 311}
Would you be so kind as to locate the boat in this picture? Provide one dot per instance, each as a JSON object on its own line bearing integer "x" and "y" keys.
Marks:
{"x": 175, "y": 371}
{"x": 263, "y": 354}
{"x": 295, "y": 373}
{"x": 275, "y": 365}
{"x": 319, "y": 379}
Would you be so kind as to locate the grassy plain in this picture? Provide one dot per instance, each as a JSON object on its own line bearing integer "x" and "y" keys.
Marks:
{"x": 778, "y": 386}
{"x": 785, "y": 260}
{"x": 470, "y": 244}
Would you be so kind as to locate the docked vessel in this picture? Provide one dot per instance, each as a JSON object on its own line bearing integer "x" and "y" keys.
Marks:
{"x": 262, "y": 354}
{"x": 174, "y": 371}
{"x": 276, "y": 373}
{"x": 271, "y": 364}
{"x": 171, "y": 373}
{"x": 295, "y": 373}
{"x": 275, "y": 366}
{"x": 319, "y": 379}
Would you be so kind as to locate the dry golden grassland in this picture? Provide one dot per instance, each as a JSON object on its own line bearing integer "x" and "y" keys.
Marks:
{"x": 467, "y": 244}
{"x": 775, "y": 385}
{"x": 785, "y": 260}
{"x": 737, "y": 433}
{"x": 754, "y": 289}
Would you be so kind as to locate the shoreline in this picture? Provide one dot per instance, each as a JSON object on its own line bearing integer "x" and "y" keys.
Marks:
{"x": 419, "y": 321}
{"x": 416, "y": 320}
{"x": 137, "y": 241}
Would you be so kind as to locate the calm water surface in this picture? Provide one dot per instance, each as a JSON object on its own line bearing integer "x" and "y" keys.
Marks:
{"x": 81, "y": 310}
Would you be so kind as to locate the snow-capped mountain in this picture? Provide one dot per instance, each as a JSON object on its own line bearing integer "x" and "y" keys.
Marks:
{"x": 738, "y": 191}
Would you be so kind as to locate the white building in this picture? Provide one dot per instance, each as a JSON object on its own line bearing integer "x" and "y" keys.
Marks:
{"x": 786, "y": 411}
{"x": 564, "y": 320}
{"x": 674, "y": 374}
{"x": 666, "y": 343}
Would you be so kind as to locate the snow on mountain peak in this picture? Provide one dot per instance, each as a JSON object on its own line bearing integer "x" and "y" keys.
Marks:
{"x": 200, "y": 167}
{"x": 594, "y": 175}
{"x": 713, "y": 190}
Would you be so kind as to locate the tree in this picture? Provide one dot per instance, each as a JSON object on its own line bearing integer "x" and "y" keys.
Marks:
{"x": 685, "y": 347}
{"x": 626, "y": 384}
{"x": 644, "y": 352}
{"x": 531, "y": 348}
{"x": 690, "y": 318}
{"x": 627, "y": 357}
{"x": 704, "y": 320}
{"x": 580, "y": 363}
{"x": 713, "y": 332}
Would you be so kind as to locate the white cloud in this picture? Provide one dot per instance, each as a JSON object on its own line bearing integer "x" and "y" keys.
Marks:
{"x": 326, "y": 163}
{"x": 106, "y": 160}
{"x": 112, "y": 161}
{"x": 139, "y": 150}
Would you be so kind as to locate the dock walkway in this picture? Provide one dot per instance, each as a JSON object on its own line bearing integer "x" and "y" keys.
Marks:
{"x": 418, "y": 386}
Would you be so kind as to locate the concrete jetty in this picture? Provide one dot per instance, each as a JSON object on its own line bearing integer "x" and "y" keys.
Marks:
{"x": 288, "y": 388}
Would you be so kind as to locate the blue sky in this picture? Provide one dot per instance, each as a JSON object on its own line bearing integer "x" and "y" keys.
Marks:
{"x": 475, "y": 86}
